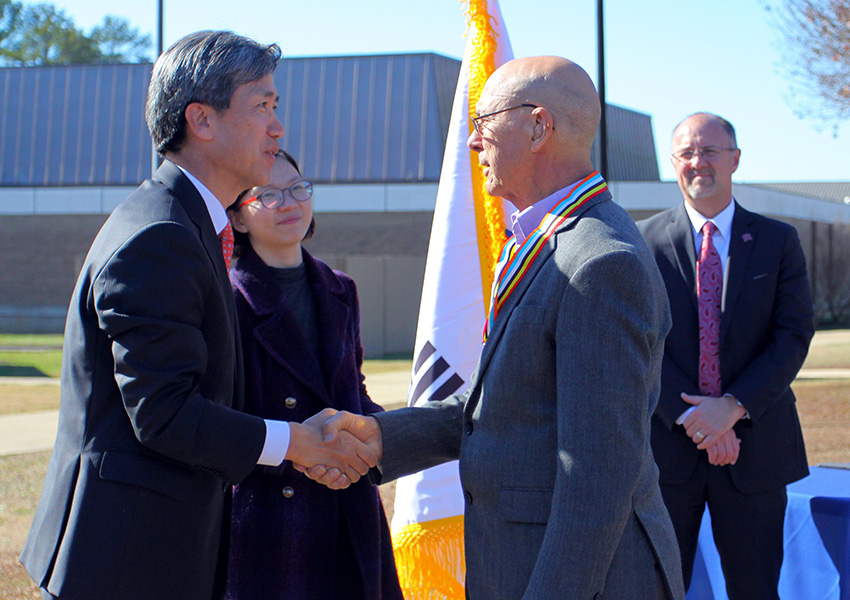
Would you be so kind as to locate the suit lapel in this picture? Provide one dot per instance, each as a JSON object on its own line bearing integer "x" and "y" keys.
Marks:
{"x": 196, "y": 209}
{"x": 741, "y": 242}
{"x": 522, "y": 286}
{"x": 279, "y": 332}
{"x": 680, "y": 233}
{"x": 192, "y": 202}
{"x": 334, "y": 316}
{"x": 513, "y": 300}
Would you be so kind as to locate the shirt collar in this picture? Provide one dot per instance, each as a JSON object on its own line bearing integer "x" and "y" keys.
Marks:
{"x": 523, "y": 222}
{"x": 723, "y": 220}
{"x": 217, "y": 213}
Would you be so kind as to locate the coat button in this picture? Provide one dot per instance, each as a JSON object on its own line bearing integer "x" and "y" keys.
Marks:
{"x": 290, "y": 402}
{"x": 288, "y": 492}
{"x": 467, "y": 497}
{"x": 467, "y": 429}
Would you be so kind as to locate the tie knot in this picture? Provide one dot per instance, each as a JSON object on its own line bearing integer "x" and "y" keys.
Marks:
{"x": 709, "y": 228}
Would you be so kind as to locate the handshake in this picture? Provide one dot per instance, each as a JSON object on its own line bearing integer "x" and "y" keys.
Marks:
{"x": 335, "y": 448}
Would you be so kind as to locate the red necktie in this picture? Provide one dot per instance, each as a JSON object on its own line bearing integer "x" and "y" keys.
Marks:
{"x": 709, "y": 290}
{"x": 226, "y": 237}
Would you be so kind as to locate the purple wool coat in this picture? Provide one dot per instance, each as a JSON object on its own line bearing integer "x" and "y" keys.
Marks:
{"x": 291, "y": 537}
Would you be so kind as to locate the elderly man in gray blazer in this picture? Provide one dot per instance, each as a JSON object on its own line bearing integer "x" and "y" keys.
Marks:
{"x": 561, "y": 490}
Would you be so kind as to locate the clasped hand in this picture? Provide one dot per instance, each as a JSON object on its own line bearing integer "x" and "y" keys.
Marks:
{"x": 709, "y": 425}
{"x": 340, "y": 447}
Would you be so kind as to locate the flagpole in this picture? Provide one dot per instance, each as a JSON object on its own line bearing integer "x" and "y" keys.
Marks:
{"x": 603, "y": 122}
{"x": 159, "y": 19}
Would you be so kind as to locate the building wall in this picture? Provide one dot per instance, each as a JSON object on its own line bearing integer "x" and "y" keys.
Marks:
{"x": 43, "y": 255}
{"x": 383, "y": 252}
{"x": 383, "y": 248}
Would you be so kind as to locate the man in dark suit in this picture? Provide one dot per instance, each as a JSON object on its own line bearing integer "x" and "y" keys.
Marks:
{"x": 726, "y": 431}
{"x": 561, "y": 492}
{"x": 149, "y": 443}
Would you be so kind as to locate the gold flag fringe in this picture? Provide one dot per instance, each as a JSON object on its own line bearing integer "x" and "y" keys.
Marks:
{"x": 425, "y": 553}
{"x": 489, "y": 218}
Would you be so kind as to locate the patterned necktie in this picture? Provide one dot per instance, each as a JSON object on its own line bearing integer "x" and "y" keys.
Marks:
{"x": 226, "y": 237}
{"x": 709, "y": 289}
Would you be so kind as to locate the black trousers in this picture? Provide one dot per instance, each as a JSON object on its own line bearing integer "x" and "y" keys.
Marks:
{"x": 748, "y": 530}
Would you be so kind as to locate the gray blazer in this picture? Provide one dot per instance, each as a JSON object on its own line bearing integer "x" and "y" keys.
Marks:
{"x": 560, "y": 487}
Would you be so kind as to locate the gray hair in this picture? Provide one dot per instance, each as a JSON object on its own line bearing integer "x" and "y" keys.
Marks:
{"x": 205, "y": 67}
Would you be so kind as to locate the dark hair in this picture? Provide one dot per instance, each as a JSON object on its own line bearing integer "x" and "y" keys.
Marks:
{"x": 241, "y": 240}
{"x": 205, "y": 67}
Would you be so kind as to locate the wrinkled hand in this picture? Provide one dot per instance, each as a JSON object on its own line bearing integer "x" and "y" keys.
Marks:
{"x": 711, "y": 418}
{"x": 343, "y": 459}
{"x": 344, "y": 424}
{"x": 725, "y": 451}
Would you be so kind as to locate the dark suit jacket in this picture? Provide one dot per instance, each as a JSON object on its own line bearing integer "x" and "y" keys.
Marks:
{"x": 561, "y": 491}
{"x": 765, "y": 330}
{"x": 289, "y": 547}
{"x": 148, "y": 444}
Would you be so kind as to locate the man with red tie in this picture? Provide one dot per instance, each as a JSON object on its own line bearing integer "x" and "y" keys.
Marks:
{"x": 135, "y": 505}
{"x": 726, "y": 433}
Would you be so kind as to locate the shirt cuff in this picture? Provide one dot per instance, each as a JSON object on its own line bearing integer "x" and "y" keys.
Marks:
{"x": 276, "y": 445}
{"x": 684, "y": 415}
{"x": 746, "y": 412}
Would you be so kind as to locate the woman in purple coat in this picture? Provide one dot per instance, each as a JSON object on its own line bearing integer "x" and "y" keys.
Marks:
{"x": 292, "y": 538}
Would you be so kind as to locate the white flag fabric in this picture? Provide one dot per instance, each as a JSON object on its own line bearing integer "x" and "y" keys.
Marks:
{"x": 427, "y": 522}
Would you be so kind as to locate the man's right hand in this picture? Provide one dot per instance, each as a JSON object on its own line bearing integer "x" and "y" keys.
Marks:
{"x": 342, "y": 459}
{"x": 344, "y": 428}
{"x": 725, "y": 451}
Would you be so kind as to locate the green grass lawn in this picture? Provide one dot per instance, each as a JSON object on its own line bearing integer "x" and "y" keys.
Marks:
{"x": 30, "y": 363}
{"x": 41, "y": 356}
{"x": 30, "y": 355}
{"x": 27, "y": 340}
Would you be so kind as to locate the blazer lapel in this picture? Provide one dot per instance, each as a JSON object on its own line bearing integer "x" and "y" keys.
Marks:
{"x": 680, "y": 232}
{"x": 524, "y": 283}
{"x": 741, "y": 242}
{"x": 513, "y": 300}
{"x": 333, "y": 315}
{"x": 279, "y": 333}
{"x": 190, "y": 199}
{"x": 196, "y": 209}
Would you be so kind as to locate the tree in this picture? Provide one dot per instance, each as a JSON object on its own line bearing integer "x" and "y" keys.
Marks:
{"x": 10, "y": 15}
{"x": 119, "y": 42}
{"x": 832, "y": 276}
{"x": 816, "y": 52}
{"x": 41, "y": 34}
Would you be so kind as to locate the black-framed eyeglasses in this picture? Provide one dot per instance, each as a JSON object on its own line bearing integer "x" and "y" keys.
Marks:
{"x": 708, "y": 153}
{"x": 272, "y": 197}
{"x": 475, "y": 120}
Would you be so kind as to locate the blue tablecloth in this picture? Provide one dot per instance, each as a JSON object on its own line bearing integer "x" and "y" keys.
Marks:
{"x": 817, "y": 543}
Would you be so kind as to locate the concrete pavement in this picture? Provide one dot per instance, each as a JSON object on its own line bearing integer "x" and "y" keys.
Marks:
{"x": 36, "y": 431}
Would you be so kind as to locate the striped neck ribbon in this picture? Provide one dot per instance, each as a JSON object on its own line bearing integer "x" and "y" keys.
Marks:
{"x": 514, "y": 261}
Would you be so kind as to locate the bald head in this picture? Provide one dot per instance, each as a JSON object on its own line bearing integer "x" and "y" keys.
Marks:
{"x": 559, "y": 85}
{"x": 537, "y": 120}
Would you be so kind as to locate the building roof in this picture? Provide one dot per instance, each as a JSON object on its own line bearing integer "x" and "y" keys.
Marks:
{"x": 348, "y": 119}
{"x": 631, "y": 146}
{"x": 834, "y": 191}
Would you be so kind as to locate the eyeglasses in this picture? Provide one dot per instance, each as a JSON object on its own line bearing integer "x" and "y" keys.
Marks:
{"x": 272, "y": 197}
{"x": 476, "y": 120}
{"x": 708, "y": 153}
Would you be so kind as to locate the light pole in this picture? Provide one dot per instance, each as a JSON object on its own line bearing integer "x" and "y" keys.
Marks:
{"x": 603, "y": 120}
{"x": 154, "y": 156}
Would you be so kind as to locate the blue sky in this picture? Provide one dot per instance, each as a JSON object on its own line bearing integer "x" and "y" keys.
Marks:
{"x": 666, "y": 58}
